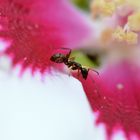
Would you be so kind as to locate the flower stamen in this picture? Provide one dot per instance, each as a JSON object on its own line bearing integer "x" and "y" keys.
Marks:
{"x": 119, "y": 34}
{"x": 124, "y": 35}
{"x": 106, "y": 35}
{"x": 102, "y": 7}
{"x": 134, "y": 21}
{"x": 105, "y": 7}
{"x": 131, "y": 37}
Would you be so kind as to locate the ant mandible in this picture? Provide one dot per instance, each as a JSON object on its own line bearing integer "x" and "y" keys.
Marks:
{"x": 73, "y": 65}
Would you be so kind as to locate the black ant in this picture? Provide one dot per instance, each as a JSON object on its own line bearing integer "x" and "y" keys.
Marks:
{"x": 62, "y": 58}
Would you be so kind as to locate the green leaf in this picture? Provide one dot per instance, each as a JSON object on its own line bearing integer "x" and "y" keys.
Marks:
{"x": 83, "y": 4}
{"x": 82, "y": 59}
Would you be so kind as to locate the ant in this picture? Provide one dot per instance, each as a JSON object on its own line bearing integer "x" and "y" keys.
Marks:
{"x": 62, "y": 58}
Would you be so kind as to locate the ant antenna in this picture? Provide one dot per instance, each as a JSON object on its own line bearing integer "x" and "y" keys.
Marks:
{"x": 94, "y": 71}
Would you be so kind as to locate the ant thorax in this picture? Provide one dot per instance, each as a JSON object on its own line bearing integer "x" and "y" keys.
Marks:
{"x": 74, "y": 65}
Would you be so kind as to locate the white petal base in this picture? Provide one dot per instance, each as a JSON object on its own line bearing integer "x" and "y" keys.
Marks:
{"x": 53, "y": 109}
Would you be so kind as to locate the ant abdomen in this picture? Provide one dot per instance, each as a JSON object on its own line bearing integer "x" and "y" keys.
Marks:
{"x": 58, "y": 58}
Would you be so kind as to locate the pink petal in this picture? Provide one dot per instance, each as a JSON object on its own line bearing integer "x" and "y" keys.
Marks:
{"x": 36, "y": 27}
{"x": 115, "y": 95}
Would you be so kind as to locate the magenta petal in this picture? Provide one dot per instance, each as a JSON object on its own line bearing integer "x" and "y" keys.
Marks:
{"x": 37, "y": 27}
{"x": 118, "y": 98}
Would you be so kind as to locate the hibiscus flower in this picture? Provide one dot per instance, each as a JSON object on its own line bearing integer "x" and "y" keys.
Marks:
{"x": 114, "y": 96}
{"x": 41, "y": 106}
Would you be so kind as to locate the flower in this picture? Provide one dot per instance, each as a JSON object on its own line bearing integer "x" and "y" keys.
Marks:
{"x": 33, "y": 35}
{"x": 31, "y": 107}
{"x": 114, "y": 95}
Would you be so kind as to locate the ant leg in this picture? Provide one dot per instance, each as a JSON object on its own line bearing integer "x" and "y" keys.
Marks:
{"x": 69, "y": 73}
{"x": 91, "y": 69}
{"x": 78, "y": 73}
